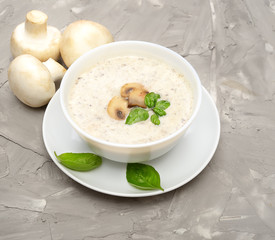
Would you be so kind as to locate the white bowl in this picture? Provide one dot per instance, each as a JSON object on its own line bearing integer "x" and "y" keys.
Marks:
{"x": 130, "y": 152}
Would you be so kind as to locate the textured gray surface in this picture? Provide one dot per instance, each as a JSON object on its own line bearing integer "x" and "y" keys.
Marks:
{"x": 231, "y": 45}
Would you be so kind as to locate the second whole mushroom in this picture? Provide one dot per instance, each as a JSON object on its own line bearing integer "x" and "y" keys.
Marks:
{"x": 80, "y": 37}
{"x": 32, "y": 81}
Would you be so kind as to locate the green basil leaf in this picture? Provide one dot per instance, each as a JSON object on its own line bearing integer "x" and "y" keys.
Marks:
{"x": 159, "y": 111}
{"x": 143, "y": 176}
{"x": 79, "y": 161}
{"x": 155, "y": 119}
{"x": 137, "y": 115}
{"x": 162, "y": 104}
{"x": 151, "y": 99}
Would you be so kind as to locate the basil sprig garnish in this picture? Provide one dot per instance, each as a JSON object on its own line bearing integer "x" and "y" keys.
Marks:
{"x": 162, "y": 104}
{"x": 79, "y": 161}
{"x": 151, "y": 101}
{"x": 143, "y": 176}
{"x": 160, "y": 107}
{"x": 155, "y": 119}
{"x": 136, "y": 115}
{"x": 159, "y": 112}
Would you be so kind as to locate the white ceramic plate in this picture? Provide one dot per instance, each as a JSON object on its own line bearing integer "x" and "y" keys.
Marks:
{"x": 184, "y": 162}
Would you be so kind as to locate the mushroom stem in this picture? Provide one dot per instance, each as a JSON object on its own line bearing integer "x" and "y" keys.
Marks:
{"x": 56, "y": 70}
{"x": 36, "y": 23}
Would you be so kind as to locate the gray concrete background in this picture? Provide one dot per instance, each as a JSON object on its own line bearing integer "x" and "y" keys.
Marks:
{"x": 231, "y": 45}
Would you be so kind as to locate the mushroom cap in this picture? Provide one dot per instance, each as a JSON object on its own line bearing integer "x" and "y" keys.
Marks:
{"x": 127, "y": 88}
{"x": 40, "y": 40}
{"x": 136, "y": 98}
{"x": 80, "y": 37}
{"x": 30, "y": 81}
{"x": 118, "y": 108}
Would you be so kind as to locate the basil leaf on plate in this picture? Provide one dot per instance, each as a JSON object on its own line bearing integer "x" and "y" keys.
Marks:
{"x": 137, "y": 115}
{"x": 143, "y": 176}
{"x": 79, "y": 161}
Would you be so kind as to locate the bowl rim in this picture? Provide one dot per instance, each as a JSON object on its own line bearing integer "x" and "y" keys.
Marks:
{"x": 123, "y": 145}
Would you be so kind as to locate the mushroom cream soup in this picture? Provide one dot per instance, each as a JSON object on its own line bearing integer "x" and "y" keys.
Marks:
{"x": 92, "y": 91}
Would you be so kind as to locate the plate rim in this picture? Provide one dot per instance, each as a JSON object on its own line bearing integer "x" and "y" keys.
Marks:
{"x": 142, "y": 193}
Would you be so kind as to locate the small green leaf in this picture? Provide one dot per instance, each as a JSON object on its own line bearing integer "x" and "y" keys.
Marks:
{"x": 143, "y": 176}
{"x": 79, "y": 161}
{"x": 162, "y": 104}
{"x": 151, "y": 99}
{"x": 137, "y": 115}
{"x": 155, "y": 119}
{"x": 159, "y": 111}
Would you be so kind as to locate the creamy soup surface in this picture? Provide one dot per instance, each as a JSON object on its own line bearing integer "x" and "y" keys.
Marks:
{"x": 92, "y": 91}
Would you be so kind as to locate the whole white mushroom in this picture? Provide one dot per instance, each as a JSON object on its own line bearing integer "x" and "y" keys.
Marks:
{"x": 80, "y": 37}
{"x": 31, "y": 81}
{"x": 36, "y": 38}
